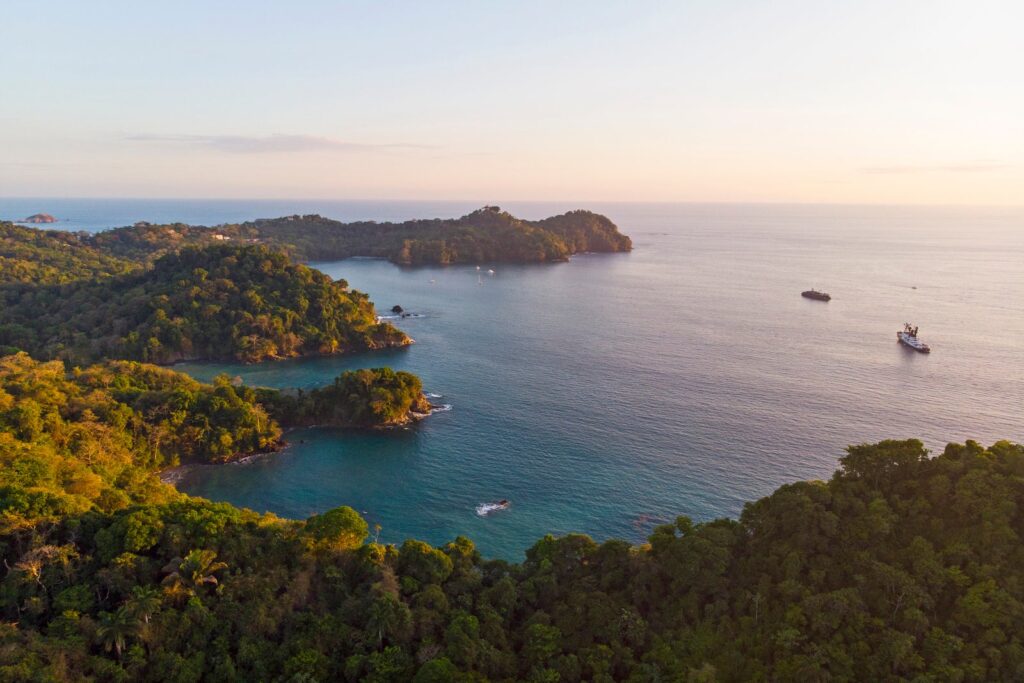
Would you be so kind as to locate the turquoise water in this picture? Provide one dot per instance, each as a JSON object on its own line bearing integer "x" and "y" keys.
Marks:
{"x": 614, "y": 392}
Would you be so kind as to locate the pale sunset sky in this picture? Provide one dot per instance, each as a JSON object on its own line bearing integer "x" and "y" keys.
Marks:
{"x": 790, "y": 101}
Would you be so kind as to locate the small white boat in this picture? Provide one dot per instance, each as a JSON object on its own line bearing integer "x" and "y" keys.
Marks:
{"x": 484, "y": 509}
{"x": 490, "y": 272}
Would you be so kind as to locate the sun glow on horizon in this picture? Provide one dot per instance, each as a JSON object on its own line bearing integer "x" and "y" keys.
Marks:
{"x": 913, "y": 103}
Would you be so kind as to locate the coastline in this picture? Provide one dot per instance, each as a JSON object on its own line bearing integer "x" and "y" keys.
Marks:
{"x": 410, "y": 418}
{"x": 174, "y": 475}
{"x": 408, "y": 341}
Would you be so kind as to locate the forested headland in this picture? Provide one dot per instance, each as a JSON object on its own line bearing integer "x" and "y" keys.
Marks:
{"x": 374, "y": 397}
{"x": 218, "y": 302}
{"x": 900, "y": 567}
{"x": 485, "y": 235}
{"x": 157, "y": 417}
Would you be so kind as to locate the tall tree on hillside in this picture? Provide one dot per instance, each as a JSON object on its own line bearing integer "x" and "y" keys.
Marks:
{"x": 187, "y": 576}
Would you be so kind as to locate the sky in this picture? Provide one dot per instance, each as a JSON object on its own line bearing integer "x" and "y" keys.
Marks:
{"x": 889, "y": 102}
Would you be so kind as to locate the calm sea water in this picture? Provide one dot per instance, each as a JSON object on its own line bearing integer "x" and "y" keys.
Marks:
{"x": 614, "y": 392}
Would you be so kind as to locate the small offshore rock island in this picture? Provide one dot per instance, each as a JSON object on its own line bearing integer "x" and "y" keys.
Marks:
{"x": 39, "y": 218}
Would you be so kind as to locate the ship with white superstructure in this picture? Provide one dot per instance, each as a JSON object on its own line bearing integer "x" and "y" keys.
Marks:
{"x": 908, "y": 337}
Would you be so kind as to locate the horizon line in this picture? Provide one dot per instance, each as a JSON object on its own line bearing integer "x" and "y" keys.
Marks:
{"x": 491, "y": 202}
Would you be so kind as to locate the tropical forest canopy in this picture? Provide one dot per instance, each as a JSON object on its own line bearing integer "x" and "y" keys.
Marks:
{"x": 901, "y": 567}
{"x": 245, "y": 303}
{"x": 32, "y": 256}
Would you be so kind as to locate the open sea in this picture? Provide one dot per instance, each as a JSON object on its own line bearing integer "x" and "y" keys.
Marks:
{"x": 611, "y": 393}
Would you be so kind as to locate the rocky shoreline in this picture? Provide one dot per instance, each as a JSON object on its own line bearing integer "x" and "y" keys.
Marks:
{"x": 377, "y": 346}
{"x": 174, "y": 475}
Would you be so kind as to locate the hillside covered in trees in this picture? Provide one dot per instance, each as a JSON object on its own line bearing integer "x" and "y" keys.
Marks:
{"x": 92, "y": 439}
{"x": 162, "y": 417}
{"x": 28, "y": 255}
{"x": 901, "y": 567}
{"x": 488, "y": 234}
{"x": 245, "y": 303}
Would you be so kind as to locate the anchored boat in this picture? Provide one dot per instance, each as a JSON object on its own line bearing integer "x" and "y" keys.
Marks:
{"x": 816, "y": 295}
{"x": 908, "y": 337}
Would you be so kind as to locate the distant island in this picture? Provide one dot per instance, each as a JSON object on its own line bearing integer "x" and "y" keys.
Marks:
{"x": 39, "y": 218}
{"x": 220, "y": 302}
{"x": 485, "y": 235}
{"x": 489, "y": 234}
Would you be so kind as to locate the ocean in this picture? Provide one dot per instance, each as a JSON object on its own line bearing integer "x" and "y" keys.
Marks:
{"x": 614, "y": 392}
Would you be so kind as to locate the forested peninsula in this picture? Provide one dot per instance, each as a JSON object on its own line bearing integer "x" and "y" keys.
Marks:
{"x": 218, "y": 302}
{"x": 486, "y": 235}
{"x": 155, "y": 417}
{"x": 901, "y": 567}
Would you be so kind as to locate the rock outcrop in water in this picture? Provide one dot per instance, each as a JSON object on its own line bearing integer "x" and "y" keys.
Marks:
{"x": 39, "y": 218}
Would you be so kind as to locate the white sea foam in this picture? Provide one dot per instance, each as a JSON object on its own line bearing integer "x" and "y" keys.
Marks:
{"x": 484, "y": 509}
{"x": 441, "y": 408}
{"x": 432, "y": 395}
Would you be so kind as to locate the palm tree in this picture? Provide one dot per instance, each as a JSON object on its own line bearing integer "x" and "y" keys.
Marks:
{"x": 144, "y": 603}
{"x": 186, "y": 576}
{"x": 115, "y": 628}
{"x": 388, "y": 616}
